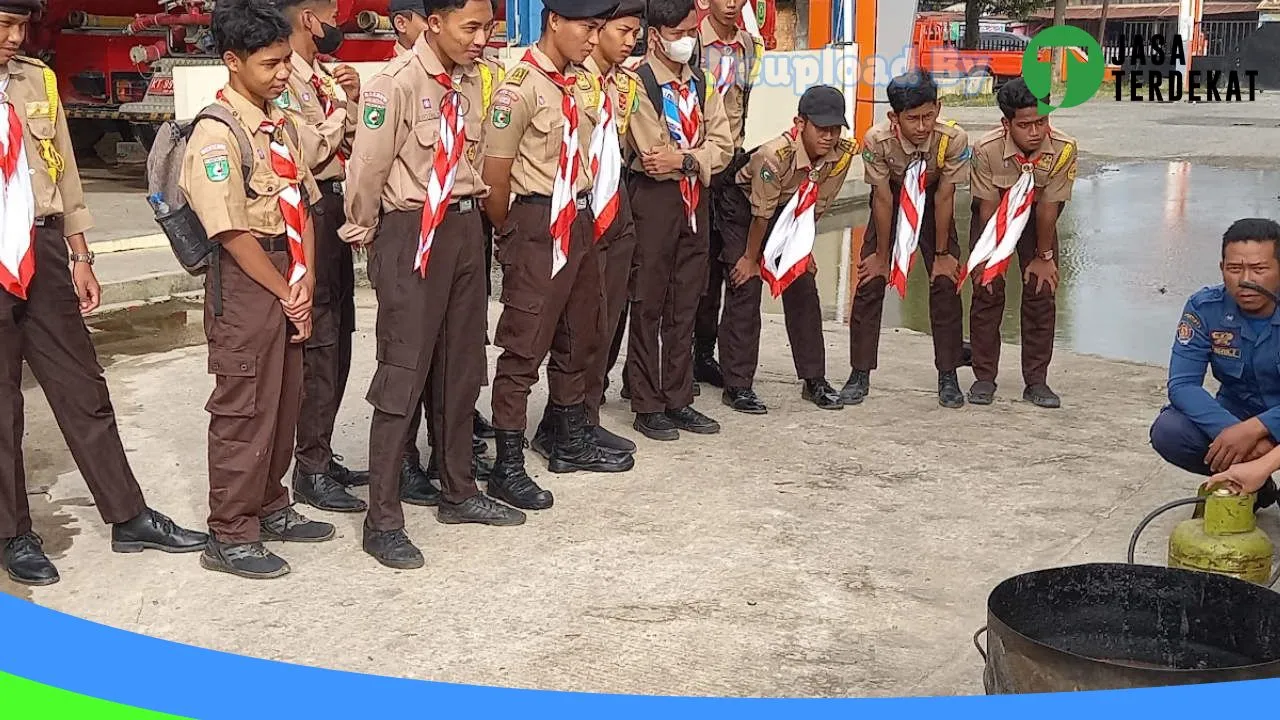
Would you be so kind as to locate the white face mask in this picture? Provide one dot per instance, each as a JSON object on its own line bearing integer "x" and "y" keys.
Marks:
{"x": 680, "y": 50}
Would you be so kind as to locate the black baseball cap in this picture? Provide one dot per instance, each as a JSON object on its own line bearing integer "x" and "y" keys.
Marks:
{"x": 823, "y": 106}
{"x": 581, "y": 9}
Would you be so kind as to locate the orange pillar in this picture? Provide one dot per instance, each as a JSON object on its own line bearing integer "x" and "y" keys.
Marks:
{"x": 864, "y": 34}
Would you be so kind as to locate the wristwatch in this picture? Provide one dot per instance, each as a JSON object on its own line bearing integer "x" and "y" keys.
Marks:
{"x": 1047, "y": 256}
{"x": 686, "y": 165}
{"x": 86, "y": 258}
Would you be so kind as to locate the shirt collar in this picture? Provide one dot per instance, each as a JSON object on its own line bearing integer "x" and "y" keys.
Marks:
{"x": 431, "y": 61}
{"x": 302, "y": 68}
{"x": 251, "y": 115}
{"x": 664, "y": 76}
{"x": 1011, "y": 149}
{"x": 593, "y": 67}
{"x": 707, "y": 33}
{"x": 908, "y": 148}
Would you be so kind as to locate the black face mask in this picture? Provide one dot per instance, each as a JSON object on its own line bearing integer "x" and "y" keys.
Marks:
{"x": 328, "y": 43}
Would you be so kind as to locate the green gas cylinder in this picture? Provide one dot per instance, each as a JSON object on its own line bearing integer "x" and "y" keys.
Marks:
{"x": 1226, "y": 540}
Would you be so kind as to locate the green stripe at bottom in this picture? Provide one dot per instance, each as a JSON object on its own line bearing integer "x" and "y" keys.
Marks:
{"x": 22, "y": 698}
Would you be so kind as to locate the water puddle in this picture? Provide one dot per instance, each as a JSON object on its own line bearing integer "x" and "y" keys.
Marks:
{"x": 1136, "y": 239}
{"x": 152, "y": 328}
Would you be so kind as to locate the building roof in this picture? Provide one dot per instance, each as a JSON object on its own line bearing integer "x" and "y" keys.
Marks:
{"x": 1129, "y": 11}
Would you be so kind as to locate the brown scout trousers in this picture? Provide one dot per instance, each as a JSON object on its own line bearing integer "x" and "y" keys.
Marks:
{"x": 1039, "y": 313}
{"x": 47, "y": 331}
{"x": 946, "y": 312}
{"x": 253, "y": 411}
{"x": 739, "y": 329}
{"x": 540, "y": 312}
{"x": 326, "y": 362}
{"x": 425, "y": 326}
{"x": 671, "y": 275}
{"x": 706, "y": 324}
{"x": 616, "y": 251}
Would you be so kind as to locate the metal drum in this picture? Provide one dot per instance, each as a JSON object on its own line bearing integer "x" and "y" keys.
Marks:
{"x": 1112, "y": 626}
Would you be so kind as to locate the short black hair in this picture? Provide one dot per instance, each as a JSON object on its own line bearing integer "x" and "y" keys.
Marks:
{"x": 246, "y": 26}
{"x": 1252, "y": 230}
{"x": 911, "y": 90}
{"x": 1015, "y": 96}
{"x": 667, "y": 13}
{"x": 288, "y": 6}
{"x": 629, "y": 8}
{"x": 442, "y": 6}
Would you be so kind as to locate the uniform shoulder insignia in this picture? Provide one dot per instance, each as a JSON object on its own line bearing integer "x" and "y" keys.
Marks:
{"x": 1066, "y": 159}
{"x": 785, "y": 154}
{"x": 846, "y": 146}
{"x": 518, "y": 75}
{"x": 948, "y": 127}
{"x": 28, "y": 60}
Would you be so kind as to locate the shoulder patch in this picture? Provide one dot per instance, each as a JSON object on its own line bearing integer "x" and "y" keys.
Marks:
{"x": 1185, "y": 333}
{"x": 1192, "y": 318}
{"x": 868, "y": 155}
{"x": 506, "y": 98}
{"x": 1068, "y": 155}
{"x": 217, "y": 168}
{"x": 767, "y": 174}
{"x": 846, "y": 145}
{"x": 501, "y": 116}
{"x": 374, "y": 116}
{"x": 518, "y": 75}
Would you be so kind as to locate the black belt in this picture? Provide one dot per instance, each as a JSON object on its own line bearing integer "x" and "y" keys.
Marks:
{"x": 332, "y": 187}
{"x": 582, "y": 200}
{"x": 279, "y": 243}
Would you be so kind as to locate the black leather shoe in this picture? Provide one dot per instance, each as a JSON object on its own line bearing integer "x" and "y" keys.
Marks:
{"x": 155, "y": 531}
{"x": 609, "y": 441}
{"x": 1041, "y": 396}
{"x": 686, "y": 418}
{"x": 656, "y": 426}
{"x": 481, "y": 428}
{"x": 287, "y": 525}
{"x": 949, "y": 394}
{"x": 744, "y": 400}
{"x": 856, "y": 387}
{"x": 480, "y": 509}
{"x": 393, "y": 549}
{"x": 25, "y": 561}
{"x": 347, "y": 477}
{"x": 323, "y": 492}
{"x": 982, "y": 392}
{"x": 246, "y": 560}
{"x": 966, "y": 354}
{"x": 509, "y": 481}
{"x": 706, "y": 369}
{"x": 416, "y": 487}
{"x": 820, "y": 393}
{"x": 574, "y": 449}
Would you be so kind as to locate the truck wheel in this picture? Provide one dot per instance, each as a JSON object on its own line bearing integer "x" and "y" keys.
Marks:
{"x": 143, "y": 133}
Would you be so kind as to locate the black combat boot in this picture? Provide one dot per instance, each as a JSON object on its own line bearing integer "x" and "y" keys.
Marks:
{"x": 949, "y": 395}
{"x": 324, "y": 491}
{"x": 509, "y": 481}
{"x": 544, "y": 437}
{"x": 575, "y": 450}
{"x": 480, "y": 427}
{"x": 346, "y": 476}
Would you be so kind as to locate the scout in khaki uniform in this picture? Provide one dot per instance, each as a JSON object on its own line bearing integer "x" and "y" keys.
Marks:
{"x": 41, "y": 302}
{"x": 1024, "y": 157}
{"x": 771, "y": 214}
{"x": 414, "y": 199}
{"x": 934, "y": 155}
{"x": 680, "y": 140}
{"x": 731, "y": 57}
{"x": 616, "y": 92}
{"x": 325, "y": 126}
{"x": 537, "y": 139}
{"x": 408, "y": 21}
{"x": 267, "y": 252}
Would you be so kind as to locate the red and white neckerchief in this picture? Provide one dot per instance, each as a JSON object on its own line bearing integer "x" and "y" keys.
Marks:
{"x": 606, "y": 161}
{"x": 999, "y": 240}
{"x": 444, "y": 168}
{"x": 564, "y": 208}
{"x": 328, "y": 102}
{"x": 684, "y": 123}
{"x": 18, "y": 209}
{"x": 725, "y": 72}
{"x": 910, "y": 217}
{"x": 789, "y": 250}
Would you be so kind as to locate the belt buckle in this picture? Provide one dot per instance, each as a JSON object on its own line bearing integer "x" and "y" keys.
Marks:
{"x": 340, "y": 187}
{"x": 466, "y": 205}
{"x": 581, "y": 202}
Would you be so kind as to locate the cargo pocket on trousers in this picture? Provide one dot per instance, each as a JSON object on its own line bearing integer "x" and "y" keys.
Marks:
{"x": 517, "y": 330}
{"x": 392, "y": 389}
{"x": 235, "y": 394}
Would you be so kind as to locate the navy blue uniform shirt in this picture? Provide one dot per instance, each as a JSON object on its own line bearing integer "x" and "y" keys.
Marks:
{"x": 1242, "y": 352}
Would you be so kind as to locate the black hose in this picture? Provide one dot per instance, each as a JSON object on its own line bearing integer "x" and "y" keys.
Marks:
{"x": 1133, "y": 541}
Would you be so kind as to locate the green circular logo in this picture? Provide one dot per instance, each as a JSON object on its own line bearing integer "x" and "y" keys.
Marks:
{"x": 1083, "y": 78}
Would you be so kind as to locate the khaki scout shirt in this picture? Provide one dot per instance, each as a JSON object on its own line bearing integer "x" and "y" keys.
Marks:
{"x": 742, "y": 49}
{"x": 647, "y": 128}
{"x": 527, "y": 125}
{"x": 886, "y": 156}
{"x": 29, "y": 91}
{"x": 396, "y": 139}
{"x": 778, "y": 167}
{"x": 321, "y": 138}
{"x": 996, "y": 169}
{"x": 212, "y": 180}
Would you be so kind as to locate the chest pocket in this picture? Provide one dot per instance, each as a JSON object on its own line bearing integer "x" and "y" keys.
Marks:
{"x": 420, "y": 150}
{"x": 548, "y": 129}
{"x": 264, "y": 209}
{"x": 1227, "y": 363}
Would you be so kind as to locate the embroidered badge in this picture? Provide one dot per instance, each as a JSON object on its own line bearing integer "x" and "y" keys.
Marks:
{"x": 217, "y": 169}
{"x": 767, "y": 175}
{"x": 1191, "y": 318}
{"x": 306, "y": 97}
{"x": 1227, "y": 352}
{"x": 518, "y": 75}
{"x": 374, "y": 116}
{"x": 1184, "y": 333}
{"x": 505, "y": 97}
{"x": 283, "y": 101}
{"x": 426, "y": 103}
{"x": 1071, "y": 173}
{"x": 868, "y": 156}
{"x": 216, "y": 148}
{"x": 501, "y": 117}
{"x": 1222, "y": 338}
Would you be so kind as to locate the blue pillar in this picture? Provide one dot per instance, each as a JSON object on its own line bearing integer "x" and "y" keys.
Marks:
{"x": 524, "y": 22}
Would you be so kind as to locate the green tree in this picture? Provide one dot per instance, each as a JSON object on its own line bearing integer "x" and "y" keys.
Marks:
{"x": 975, "y": 9}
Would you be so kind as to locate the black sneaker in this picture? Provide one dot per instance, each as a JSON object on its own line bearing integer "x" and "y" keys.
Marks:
{"x": 155, "y": 531}
{"x": 246, "y": 560}
{"x": 706, "y": 369}
{"x": 820, "y": 393}
{"x": 393, "y": 549}
{"x": 287, "y": 525}
{"x": 26, "y": 563}
{"x": 611, "y": 442}
{"x": 416, "y": 487}
{"x": 982, "y": 392}
{"x": 1041, "y": 396}
{"x": 949, "y": 395}
{"x": 856, "y": 387}
{"x": 322, "y": 491}
{"x": 481, "y": 428}
{"x": 686, "y": 418}
{"x": 480, "y": 509}
{"x": 656, "y": 426}
{"x": 347, "y": 477}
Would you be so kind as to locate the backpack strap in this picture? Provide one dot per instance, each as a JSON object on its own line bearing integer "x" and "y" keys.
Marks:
{"x": 700, "y": 81}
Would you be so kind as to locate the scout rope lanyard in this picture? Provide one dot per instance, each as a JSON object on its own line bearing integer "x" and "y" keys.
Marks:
{"x": 684, "y": 122}
{"x": 606, "y": 161}
{"x": 910, "y": 217}
{"x": 564, "y": 208}
{"x": 1000, "y": 238}
{"x": 18, "y": 211}
{"x": 444, "y": 168}
{"x": 326, "y": 94}
{"x": 789, "y": 250}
